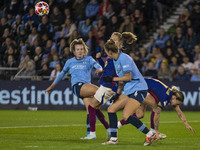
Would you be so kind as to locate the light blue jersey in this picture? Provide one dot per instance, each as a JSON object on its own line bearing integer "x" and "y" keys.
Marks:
{"x": 125, "y": 64}
{"x": 80, "y": 70}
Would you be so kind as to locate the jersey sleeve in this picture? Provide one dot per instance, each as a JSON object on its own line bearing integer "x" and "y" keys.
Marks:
{"x": 126, "y": 65}
{"x": 94, "y": 64}
{"x": 62, "y": 73}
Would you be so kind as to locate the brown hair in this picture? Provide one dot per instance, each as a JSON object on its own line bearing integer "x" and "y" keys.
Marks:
{"x": 111, "y": 46}
{"x": 119, "y": 35}
{"x": 128, "y": 36}
{"x": 76, "y": 42}
{"x": 179, "y": 95}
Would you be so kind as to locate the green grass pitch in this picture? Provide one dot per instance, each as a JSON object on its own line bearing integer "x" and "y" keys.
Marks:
{"x": 61, "y": 130}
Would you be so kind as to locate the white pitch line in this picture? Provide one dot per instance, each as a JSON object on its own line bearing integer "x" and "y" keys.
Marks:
{"x": 78, "y": 125}
{"x": 32, "y": 146}
{"x": 175, "y": 121}
{"x": 43, "y": 126}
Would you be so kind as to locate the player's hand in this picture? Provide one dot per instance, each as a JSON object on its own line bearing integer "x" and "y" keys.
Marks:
{"x": 98, "y": 55}
{"x": 190, "y": 128}
{"x": 98, "y": 71}
{"x": 48, "y": 90}
{"x": 114, "y": 97}
{"x": 108, "y": 79}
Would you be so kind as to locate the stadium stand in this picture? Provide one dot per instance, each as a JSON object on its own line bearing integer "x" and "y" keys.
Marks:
{"x": 168, "y": 35}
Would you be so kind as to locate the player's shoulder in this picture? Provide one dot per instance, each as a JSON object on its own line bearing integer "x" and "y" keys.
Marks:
{"x": 124, "y": 56}
{"x": 87, "y": 58}
{"x": 71, "y": 60}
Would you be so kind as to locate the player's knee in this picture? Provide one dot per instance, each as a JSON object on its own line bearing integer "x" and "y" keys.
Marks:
{"x": 93, "y": 92}
{"x": 140, "y": 116}
{"x": 95, "y": 104}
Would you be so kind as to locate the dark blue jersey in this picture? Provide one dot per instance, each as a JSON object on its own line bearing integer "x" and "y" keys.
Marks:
{"x": 159, "y": 91}
{"x": 108, "y": 70}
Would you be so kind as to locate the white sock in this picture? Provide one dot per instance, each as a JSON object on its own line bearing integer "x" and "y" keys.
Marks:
{"x": 113, "y": 138}
{"x": 152, "y": 130}
{"x": 119, "y": 124}
{"x": 108, "y": 130}
{"x": 93, "y": 133}
{"x": 149, "y": 134}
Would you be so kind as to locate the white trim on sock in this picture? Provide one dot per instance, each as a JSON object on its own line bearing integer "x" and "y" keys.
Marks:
{"x": 153, "y": 130}
{"x": 108, "y": 130}
{"x": 113, "y": 138}
{"x": 119, "y": 125}
{"x": 93, "y": 133}
{"x": 149, "y": 134}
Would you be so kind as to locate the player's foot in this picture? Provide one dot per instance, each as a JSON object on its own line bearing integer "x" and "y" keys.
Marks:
{"x": 87, "y": 133}
{"x": 108, "y": 135}
{"x": 162, "y": 136}
{"x": 89, "y": 137}
{"x": 149, "y": 140}
{"x": 110, "y": 142}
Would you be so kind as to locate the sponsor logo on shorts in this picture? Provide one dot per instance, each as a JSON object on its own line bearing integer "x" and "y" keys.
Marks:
{"x": 135, "y": 94}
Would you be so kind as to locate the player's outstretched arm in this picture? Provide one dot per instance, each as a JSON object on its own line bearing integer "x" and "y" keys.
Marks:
{"x": 183, "y": 118}
{"x": 50, "y": 88}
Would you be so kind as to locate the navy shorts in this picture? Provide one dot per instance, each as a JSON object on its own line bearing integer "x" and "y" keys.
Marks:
{"x": 139, "y": 95}
{"x": 77, "y": 88}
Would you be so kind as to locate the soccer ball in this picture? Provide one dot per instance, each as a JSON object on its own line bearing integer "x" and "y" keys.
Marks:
{"x": 42, "y": 8}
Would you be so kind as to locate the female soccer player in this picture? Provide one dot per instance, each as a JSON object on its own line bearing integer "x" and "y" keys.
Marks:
{"x": 106, "y": 88}
{"x": 135, "y": 91}
{"x": 80, "y": 68}
{"x": 159, "y": 96}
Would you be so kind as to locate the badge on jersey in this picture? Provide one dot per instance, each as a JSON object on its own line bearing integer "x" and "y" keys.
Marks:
{"x": 165, "y": 103}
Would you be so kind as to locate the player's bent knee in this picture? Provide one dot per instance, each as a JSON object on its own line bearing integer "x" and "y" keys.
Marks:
{"x": 140, "y": 116}
{"x": 95, "y": 103}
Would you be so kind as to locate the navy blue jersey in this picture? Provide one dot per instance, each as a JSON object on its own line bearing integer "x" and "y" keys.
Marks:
{"x": 108, "y": 70}
{"x": 159, "y": 91}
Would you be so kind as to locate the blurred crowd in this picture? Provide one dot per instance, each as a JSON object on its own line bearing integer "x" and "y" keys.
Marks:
{"x": 40, "y": 45}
